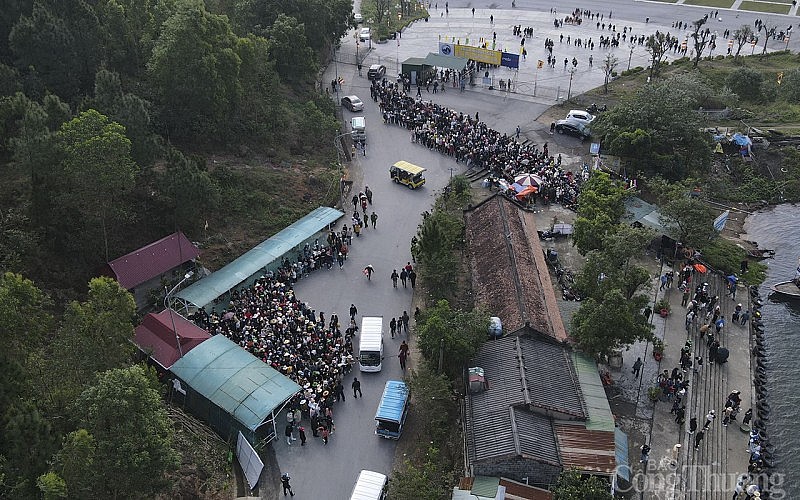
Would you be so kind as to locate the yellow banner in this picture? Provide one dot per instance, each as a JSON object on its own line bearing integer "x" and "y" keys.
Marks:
{"x": 478, "y": 54}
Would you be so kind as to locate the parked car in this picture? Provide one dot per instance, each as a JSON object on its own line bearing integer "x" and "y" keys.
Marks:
{"x": 573, "y": 128}
{"x": 358, "y": 18}
{"x": 580, "y": 116}
{"x": 364, "y": 35}
{"x": 353, "y": 103}
{"x": 376, "y": 71}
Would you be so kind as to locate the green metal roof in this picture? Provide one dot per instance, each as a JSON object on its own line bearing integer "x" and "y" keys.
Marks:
{"x": 594, "y": 395}
{"x": 235, "y": 380}
{"x": 452, "y": 62}
{"x": 209, "y": 288}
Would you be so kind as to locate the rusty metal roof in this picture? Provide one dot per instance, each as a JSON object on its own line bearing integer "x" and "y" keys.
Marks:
{"x": 509, "y": 273}
{"x": 587, "y": 451}
{"x": 153, "y": 260}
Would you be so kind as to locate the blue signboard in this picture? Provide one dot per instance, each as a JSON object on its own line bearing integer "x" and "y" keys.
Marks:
{"x": 509, "y": 60}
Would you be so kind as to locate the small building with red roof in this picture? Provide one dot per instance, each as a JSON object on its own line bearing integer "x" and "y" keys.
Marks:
{"x": 153, "y": 266}
{"x": 156, "y": 337}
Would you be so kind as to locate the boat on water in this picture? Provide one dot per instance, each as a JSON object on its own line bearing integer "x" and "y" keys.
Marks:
{"x": 789, "y": 289}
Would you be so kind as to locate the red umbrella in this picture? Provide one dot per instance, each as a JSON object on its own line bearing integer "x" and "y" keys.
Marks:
{"x": 700, "y": 268}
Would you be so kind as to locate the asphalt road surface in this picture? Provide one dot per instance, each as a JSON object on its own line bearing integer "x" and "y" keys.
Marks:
{"x": 329, "y": 472}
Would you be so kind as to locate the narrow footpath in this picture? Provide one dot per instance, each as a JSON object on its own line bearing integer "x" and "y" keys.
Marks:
{"x": 710, "y": 470}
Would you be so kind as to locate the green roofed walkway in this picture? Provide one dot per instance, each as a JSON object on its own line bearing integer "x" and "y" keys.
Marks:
{"x": 232, "y": 390}
{"x": 254, "y": 261}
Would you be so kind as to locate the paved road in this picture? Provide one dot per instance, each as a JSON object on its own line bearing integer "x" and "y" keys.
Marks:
{"x": 329, "y": 471}
{"x": 548, "y": 84}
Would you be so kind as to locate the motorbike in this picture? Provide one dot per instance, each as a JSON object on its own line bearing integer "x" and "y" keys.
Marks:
{"x": 594, "y": 109}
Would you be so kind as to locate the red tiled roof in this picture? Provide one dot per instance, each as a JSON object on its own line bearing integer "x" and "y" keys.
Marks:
{"x": 509, "y": 274}
{"x": 153, "y": 260}
{"x": 156, "y": 337}
{"x": 587, "y": 451}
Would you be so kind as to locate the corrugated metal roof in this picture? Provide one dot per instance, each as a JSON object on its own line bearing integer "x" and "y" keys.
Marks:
{"x": 156, "y": 336}
{"x": 485, "y": 486}
{"x": 585, "y": 450}
{"x": 207, "y": 289}
{"x": 621, "y": 452}
{"x": 498, "y": 420}
{"x": 235, "y": 380}
{"x": 551, "y": 378}
{"x": 153, "y": 260}
{"x": 535, "y": 435}
{"x": 594, "y": 394}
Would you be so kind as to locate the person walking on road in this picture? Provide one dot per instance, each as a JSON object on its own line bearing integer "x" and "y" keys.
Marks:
{"x": 405, "y": 320}
{"x": 285, "y": 478}
{"x": 374, "y": 219}
{"x": 393, "y": 326}
{"x": 368, "y": 272}
{"x": 645, "y": 454}
{"x": 356, "y": 385}
{"x": 404, "y": 277}
{"x": 368, "y": 194}
{"x": 699, "y": 438}
{"x": 412, "y": 276}
{"x": 637, "y": 367}
{"x": 710, "y": 416}
{"x": 692, "y": 425}
{"x": 403, "y": 355}
{"x": 288, "y": 433}
{"x": 302, "y": 431}
{"x": 676, "y": 450}
{"x": 323, "y": 431}
{"x": 353, "y": 312}
{"x": 400, "y": 325}
{"x": 394, "y": 276}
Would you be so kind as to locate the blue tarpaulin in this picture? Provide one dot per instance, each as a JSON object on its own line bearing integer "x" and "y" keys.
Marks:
{"x": 741, "y": 140}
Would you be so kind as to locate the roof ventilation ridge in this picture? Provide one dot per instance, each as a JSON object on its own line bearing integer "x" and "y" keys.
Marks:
{"x": 522, "y": 378}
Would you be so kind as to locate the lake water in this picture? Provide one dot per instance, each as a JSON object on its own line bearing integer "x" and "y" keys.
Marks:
{"x": 778, "y": 228}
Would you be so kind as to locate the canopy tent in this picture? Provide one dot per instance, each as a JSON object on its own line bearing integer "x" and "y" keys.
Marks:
{"x": 231, "y": 389}
{"x": 450, "y": 62}
{"x": 256, "y": 260}
{"x": 417, "y": 69}
{"x": 529, "y": 190}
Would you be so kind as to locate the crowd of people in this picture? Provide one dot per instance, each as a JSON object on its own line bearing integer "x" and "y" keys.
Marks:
{"x": 467, "y": 139}
{"x": 268, "y": 319}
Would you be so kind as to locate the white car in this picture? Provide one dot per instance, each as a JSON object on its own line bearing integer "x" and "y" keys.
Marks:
{"x": 353, "y": 103}
{"x": 364, "y": 35}
{"x": 583, "y": 117}
{"x": 358, "y": 18}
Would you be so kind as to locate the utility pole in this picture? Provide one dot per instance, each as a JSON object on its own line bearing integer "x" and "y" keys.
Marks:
{"x": 630, "y": 56}
{"x": 169, "y": 307}
{"x": 571, "y": 74}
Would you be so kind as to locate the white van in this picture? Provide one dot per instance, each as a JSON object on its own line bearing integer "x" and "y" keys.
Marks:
{"x": 370, "y": 345}
{"x": 370, "y": 486}
{"x": 358, "y": 127}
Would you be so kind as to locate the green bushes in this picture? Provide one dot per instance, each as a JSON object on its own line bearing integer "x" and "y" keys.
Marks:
{"x": 725, "y": 256}
{"x": 745, "y": 82}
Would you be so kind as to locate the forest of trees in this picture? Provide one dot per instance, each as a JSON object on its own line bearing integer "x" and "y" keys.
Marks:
{"x": 109, "y": 109}
{"x": 109, "y": 113}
